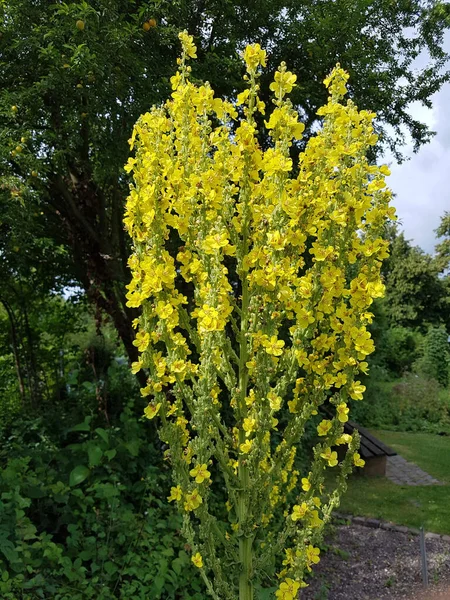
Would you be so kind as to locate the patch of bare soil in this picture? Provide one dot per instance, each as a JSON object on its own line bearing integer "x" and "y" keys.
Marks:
{"x": 374, "y": 564}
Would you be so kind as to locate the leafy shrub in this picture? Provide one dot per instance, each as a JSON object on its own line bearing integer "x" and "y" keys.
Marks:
{"x": 83, "y": 515}
{"x": 412, "y": 403}
{"x": 420, "y": 403}
{"x": 435, "y": 360}
{"x": 399, "y": 347}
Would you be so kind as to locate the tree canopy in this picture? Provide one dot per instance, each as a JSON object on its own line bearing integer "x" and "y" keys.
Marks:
{"x": 75, "y": 76}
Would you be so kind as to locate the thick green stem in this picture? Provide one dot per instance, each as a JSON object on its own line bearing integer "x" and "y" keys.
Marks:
{"x": 246, "y": 537}
{"x": 245, "y": 541}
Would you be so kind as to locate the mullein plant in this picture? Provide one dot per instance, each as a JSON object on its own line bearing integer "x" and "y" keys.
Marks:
{"x": 258, "y": 317}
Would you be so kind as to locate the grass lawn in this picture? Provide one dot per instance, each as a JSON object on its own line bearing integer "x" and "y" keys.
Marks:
{"x": 413, "y": 506}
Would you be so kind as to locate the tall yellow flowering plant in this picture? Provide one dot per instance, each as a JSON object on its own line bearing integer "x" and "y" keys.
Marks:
{"x": 258, "y": 317}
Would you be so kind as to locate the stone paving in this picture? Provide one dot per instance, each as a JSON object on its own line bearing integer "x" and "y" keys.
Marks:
{"x": 402, "y": 472}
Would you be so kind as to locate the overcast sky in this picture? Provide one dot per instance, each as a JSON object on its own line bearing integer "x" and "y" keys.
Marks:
{"x": 421, "y": 184}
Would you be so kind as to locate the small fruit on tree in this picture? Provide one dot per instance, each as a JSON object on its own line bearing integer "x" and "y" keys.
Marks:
{"x": 255, "y": 282}
{"x": 80, "y": 25}
{"x": 146, "y": 26}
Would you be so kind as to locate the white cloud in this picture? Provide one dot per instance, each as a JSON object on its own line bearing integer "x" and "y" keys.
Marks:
{"x": 421, "y": 183}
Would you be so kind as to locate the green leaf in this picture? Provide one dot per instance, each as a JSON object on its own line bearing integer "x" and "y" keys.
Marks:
{"x": 84, "y": 426}
{"x": 78, "y": 475}
{"x": 103, "y": 434}
{"x": 110, "y": 454}
{"x": 95, "y": 454}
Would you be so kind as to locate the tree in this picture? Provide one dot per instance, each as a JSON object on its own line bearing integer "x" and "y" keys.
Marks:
{"x": 443, "y": 247}
{"x": 75, "y": 77}
{"x": 282, "y": 267}
{"x": 416, "y": 296}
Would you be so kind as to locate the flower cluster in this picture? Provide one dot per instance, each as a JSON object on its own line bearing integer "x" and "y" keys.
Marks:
{"x": 255, "y": 279}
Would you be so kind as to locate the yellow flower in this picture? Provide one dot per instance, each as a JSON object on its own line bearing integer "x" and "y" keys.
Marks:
{"x": 200, "y": 472}
{"x": 284, "y": 82}
{"x": 312, "y": 554}
{"x": 288, "y": 590}
{"x": 342, "y": 411}
{"x": 215, "y": 242}
{"x": 357, "y": 390}
{"x": 136, "y": 367}
{"x": 324, "y": 427}
{"x": 306, "y": 484}
{"x": 164, "y": 309}
{"x": 175, "y": 494}
{"x": 142, "y": 341}
{"x": 209, "y": 319}
{"x": 314, "y": 520}
{"x": 345, "y": 438}
{"x": 246, "y": 446}
{"x": 178, "y": 366}
{"x": 330, "y": 456}
{"x": 273, "y": 346}
{"x": 299, "y": 511}
{"x": 357, "y": 460}
{"x": 192, "y": 500}
{"x": 274, "y": 400}
{"x": 249, "y": 425}
{"x": 197, "y": 560}
{"x": 151, "y": 410}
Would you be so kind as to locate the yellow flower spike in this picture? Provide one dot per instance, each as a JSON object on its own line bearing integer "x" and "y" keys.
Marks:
{"x": 254, "y": 56}
{"x": 264, "y": 247}
{"x": 197, "y": 560}
{"x": 187, "y": 43}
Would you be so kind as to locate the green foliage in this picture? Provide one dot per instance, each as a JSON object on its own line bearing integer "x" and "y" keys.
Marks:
{"x": 83, "y": 515}
{"x": 443, "y": 248}
{"x": 70, "y": 96}
{"x": 435, "y": 360}
{"x": 398, "y": 349}
{"x": 415, "y": 294}
{"x": 412, "y": 403}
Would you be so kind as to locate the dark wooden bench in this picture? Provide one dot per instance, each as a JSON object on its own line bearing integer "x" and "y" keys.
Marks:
{"x": 372, "y": 450}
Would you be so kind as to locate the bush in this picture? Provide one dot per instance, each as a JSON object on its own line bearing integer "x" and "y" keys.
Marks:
{"x": 412, "y": 403}
{"x": 83, "y": 515}
{"x": 435, "y": 360}
{"x": 399, "y": 348}
{"x": 420, "y": 405}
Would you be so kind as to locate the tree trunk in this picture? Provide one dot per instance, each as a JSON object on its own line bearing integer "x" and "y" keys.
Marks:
{"x": 15, "y": 349}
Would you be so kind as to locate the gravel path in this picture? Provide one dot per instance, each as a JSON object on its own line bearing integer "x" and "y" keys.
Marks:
{"x": 375, "y": 564}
